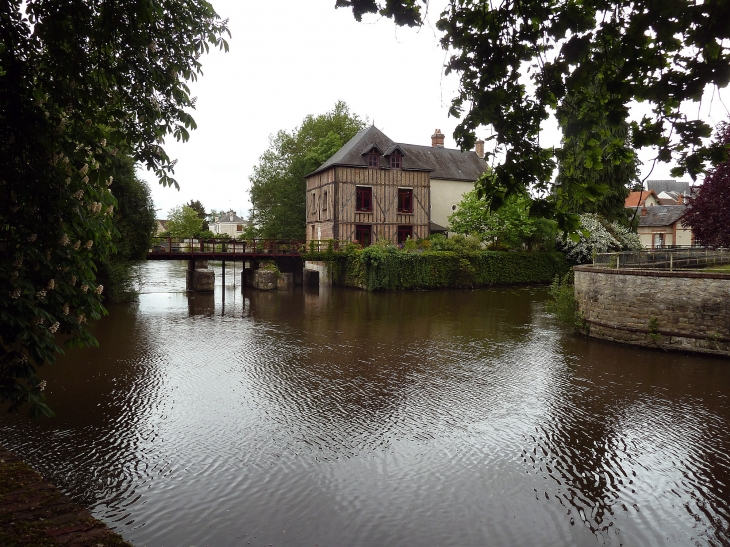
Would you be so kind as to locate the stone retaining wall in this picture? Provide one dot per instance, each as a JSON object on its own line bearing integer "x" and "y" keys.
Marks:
{"x": 687, "y": 311}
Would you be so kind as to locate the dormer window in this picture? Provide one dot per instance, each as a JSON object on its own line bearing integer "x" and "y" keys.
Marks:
{"x": 372, "y": 156}
{"x": 396, "y": 160}
{"x": 373, "y": 160}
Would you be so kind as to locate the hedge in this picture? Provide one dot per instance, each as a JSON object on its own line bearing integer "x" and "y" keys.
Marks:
{"x": 388, "y": 268}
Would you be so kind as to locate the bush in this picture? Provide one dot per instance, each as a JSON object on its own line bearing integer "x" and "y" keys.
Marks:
{"x": 601, "y": 237}
{"x": 389, "y": 268}
{"x": 562, "y": 299}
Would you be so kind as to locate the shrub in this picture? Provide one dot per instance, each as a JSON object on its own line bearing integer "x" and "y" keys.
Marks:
{"x": 600, "y": 237}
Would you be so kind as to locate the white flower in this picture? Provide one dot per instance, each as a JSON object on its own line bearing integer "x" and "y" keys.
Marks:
{"x": 77, "y": 245}
{"x": 81, "y": 319}
{"x": 109, "y": 182}
{"x": 85, "y": 180}
{"x": 42, "y": 385}
{"x": 110, "y": 209}
{"x": 65, "y": 309}
{"x": 14, "y": 294}
{"x": 51, "y": 284}
{"x": 84, "y": 287}
{"x": 73, "y": 280}
{"x": 64, "y": 240}
{"x": 18, "y": 262}
{"x": 53, "y": 328}
{"x": 41, "y": 293}
{"x": 78, "y": 194}
{"x": 32, "y": 237}
{"x": 89, "y": 244}
{"x": 100, "y": 289}
{"x": 84, "y": 169}
{"x": 103, "y": 142}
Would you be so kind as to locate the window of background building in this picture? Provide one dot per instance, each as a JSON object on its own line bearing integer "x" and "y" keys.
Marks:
{"x": 373, "y": 160}
{"x": 364, "y": 198}
{"x": 363, "y": 235}
{"x": 405, "y": 200}
{"x": 395, "y": 160}
{"x": 404, "y": 232}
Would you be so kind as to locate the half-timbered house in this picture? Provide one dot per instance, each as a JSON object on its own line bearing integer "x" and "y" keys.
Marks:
{"x": 374, "y": 188}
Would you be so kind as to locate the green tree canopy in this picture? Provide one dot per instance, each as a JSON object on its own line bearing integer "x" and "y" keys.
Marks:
{"x": 511, "y": 227}
{"x": 278, "y": 188}
{"x": 520, "y": 60}
{"x": 198, "y": 207}
{"x": 80, "y": 84}
{"x": 183, "y": 222}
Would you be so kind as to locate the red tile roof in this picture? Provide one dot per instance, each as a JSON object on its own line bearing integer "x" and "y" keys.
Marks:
{"x": 633, "y": 199}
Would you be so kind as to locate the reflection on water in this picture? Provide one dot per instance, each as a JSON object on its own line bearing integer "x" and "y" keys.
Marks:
{"x": 338, "y": 417}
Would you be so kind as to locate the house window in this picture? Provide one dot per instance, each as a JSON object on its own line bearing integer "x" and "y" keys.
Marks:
{"x": 313, "y": 206}
{"x": 658, "y": 241}
{"x": 404, "y": 232}
{"x": 239, "y": 227}
{"x": 373, "y": 160}
{"x": 324, "y": 201}
{"x": 405, "y": 200}
{"x": 364, "y": 198}
{"x": 395, "y": 160}
{"x": 363, "y": 235}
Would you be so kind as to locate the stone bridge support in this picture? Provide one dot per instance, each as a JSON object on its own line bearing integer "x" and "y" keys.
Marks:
{"x": 200, "y": 277}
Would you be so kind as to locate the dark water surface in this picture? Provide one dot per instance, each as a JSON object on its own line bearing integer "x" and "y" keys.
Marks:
{"x": 341, "y": 418}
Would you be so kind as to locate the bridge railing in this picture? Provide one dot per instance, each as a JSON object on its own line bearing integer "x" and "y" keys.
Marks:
{"x": 323, "y": 245}
{"x": 233, "y": 247}
{"x": 676, "y": 258}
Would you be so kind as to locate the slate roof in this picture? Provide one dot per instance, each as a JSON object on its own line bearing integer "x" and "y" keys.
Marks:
{"x": 230, "y": 216}
{"x": 443, "y": 163}
{"x": 671, "y": 185}
{"x": 660, "y": 215}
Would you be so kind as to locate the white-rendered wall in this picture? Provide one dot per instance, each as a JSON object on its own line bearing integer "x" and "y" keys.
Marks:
{"x": 444, "y": 194}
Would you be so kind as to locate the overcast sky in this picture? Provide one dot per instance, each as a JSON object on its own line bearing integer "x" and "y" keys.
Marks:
{"x": 291, "y": 58}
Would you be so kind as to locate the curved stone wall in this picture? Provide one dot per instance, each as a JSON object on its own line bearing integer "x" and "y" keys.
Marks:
{"x": 687, "y": 311}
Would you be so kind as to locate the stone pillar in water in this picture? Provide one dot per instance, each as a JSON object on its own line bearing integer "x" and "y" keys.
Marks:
{"x": 199, "y": 277}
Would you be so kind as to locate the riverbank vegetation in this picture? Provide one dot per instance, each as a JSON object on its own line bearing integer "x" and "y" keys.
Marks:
{"x": 437, "y": 263}
{"x": 80, "y": 84}
{"x": 133, "y": 222}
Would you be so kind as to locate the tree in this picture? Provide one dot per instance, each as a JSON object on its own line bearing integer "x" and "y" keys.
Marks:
{"x": 183, "y": 222}
{"x": 509, "y": 228}
{"x": 708, "y": 213}
{"x": 200, "y": 209}
{"x": 593, "y": 179}
{"x": 133, "y": 221}
{"x": 278, "y": 188}
{"x": 80, "y": 84}
{"x": 519, "y": 60}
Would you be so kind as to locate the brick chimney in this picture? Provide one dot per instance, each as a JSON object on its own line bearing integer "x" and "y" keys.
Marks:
{"x": 643, "y": 211}
{"x": 480, "y": 148}
{"x": 437, "y": 139}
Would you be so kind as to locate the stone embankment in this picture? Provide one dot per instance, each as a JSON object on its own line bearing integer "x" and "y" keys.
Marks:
{"x": 680, "y": 310}
{"x": 34, "y": 513}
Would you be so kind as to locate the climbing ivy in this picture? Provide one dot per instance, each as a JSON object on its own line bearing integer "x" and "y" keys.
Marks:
{"x": 388, "y": 268}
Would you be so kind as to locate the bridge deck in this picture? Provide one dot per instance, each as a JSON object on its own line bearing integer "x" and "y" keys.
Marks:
{"x": 168, "y": 248}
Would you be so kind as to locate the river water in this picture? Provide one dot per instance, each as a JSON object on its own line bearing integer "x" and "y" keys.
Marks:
{"x": 335, "y": 417}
